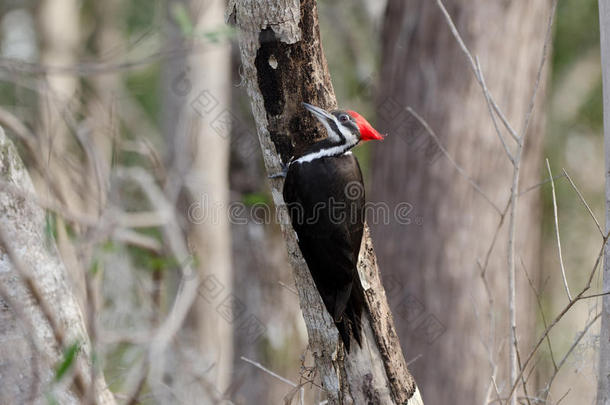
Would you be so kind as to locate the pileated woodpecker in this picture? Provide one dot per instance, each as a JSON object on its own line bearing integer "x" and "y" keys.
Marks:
{"x": 324, "y": 195}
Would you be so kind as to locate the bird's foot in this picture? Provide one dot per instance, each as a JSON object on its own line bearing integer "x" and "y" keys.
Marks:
{"x": 280, "y": 174}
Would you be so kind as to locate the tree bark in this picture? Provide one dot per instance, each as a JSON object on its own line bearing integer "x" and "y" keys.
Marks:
{"x": 603, "y": 388}
{"x": 283, "y": 66}
{"x": 259, "y": 265}
{"x": 452, "y": 226}
{"x": 39, "y": 314}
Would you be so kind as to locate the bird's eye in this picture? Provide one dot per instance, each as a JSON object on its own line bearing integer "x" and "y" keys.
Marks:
{"x": 343, "y": 118}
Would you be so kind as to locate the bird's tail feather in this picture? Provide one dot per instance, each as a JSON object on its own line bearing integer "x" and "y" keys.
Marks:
{"x": 350, "y": 324}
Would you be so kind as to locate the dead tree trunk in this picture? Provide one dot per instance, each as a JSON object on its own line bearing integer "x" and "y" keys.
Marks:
{"x": 603, "y": 388}
{"x": 39, "y": 314}
{"x": 283, "y": 65}
{"x": 440, "y": 256}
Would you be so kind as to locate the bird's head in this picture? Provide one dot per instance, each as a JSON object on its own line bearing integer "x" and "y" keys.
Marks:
{"x": 344, "y": 126}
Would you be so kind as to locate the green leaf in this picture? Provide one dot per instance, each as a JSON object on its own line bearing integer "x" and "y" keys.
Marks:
{"x": 255, "y": 198}
{"x": 181, "y": 15}
{"x": 69, "y": 356}
{"x": 95, "y": 266}
{"x": 223, "y": 32}
{"x": 50, "y": 228}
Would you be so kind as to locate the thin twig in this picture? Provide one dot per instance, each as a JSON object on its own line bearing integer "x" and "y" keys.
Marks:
{"x": 10, "y": 121}
{"x": 457, "y": 167}
{"x": 492, "y": 386}
{"x": 564, "y": 396}
{"x": 477, "y": 73}
{"x": 523, "y": 380}
{"x": 555, "y": 215}
{"x": 582, "y": 199}
{"x": 491, "y": 113}
{"x": 514, "y": 200}
{"x": 545, "y": 51}
{"x": 189, "y": 283}
{"x": 95, "y": 68}
{"x": 271, "y": 373}
{"x": 542, "y": 183}
{"x": 414, "y": 359}
{"x": 279, "y": 377}
{"x": 289, "y": 288}
{"x": 541, "y": 309}
{"x": 133, "y": 395}
{"x": 564, "y": 311}
{"x": 585, "y": 297}
{"x": 576, "y": 342}
{"x": 494, "y": 239}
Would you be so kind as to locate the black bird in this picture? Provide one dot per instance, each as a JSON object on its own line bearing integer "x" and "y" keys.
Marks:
{"x": 324, "y": 194}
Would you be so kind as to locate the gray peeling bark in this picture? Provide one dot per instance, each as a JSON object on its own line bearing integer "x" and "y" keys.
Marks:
{"x": 284, "y": 65}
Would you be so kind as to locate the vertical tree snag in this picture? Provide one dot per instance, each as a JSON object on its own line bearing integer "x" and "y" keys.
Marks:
{"x": 603, "y": 387}
{"x": 283, "y": 65}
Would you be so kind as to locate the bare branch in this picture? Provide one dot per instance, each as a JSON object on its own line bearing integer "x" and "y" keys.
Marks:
{"x": 582, "y": 199}
{"x": 545, "y": 51}
{"x": 541, "y": 309}
{"x": 491, "y": 113}
{"x": 457, "y": 167}
{"x": 560, "y": 316}
{"x": 542, "y": 183}
{"x": 563, "y": 270}
{"x": 475, "y": 69}
{"x": 576, "y": 342}
{"x": 271, "y": 373}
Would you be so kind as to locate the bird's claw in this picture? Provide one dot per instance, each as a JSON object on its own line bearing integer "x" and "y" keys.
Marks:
{"x": 280, "y": 174}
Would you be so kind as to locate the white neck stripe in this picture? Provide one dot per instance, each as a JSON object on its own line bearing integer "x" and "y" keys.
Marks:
{"x": 334, "y": 151}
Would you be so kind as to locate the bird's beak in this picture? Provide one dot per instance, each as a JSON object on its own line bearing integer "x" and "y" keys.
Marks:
{"x": 319, "y": 113}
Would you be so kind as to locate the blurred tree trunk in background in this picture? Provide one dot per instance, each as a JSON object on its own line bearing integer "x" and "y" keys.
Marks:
{"x": 108, "y": 41}
{"x": 451, "y": 226}
{"x": 102, "y": 129}
{"x": 196, "y": 120}
{"x": 59, "y": 35}
{"x": 603, "y": 389}
{"x": 209, "y": 185}
{"x": 59, "y": 46}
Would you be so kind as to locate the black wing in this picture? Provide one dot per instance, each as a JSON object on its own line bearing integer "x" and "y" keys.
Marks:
{"x": 325, "y": 199}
